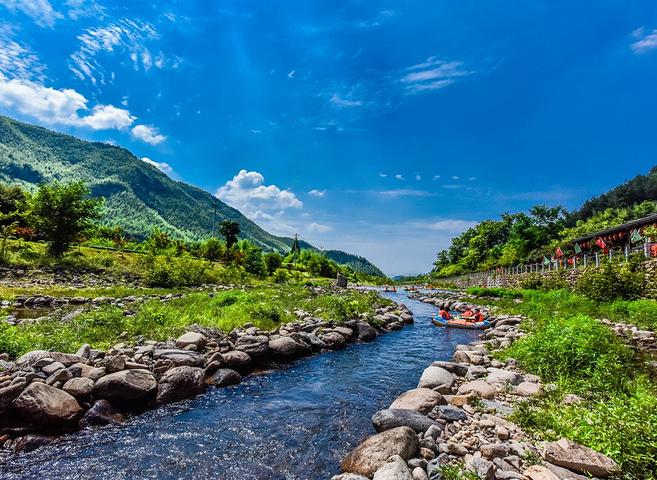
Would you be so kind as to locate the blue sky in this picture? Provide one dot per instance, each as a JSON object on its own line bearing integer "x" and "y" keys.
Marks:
{"x": 382, "y": 128}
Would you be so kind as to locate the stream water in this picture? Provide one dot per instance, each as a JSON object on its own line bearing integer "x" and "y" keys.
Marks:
{"x": 295, "y": 423}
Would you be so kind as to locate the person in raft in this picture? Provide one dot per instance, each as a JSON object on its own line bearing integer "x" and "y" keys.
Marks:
{"x": 444, "y": 314}
{"x": 468, "y": 314}
{"x": 478, "y": 316}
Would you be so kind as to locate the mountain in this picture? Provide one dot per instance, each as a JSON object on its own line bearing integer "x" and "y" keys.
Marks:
{"x": 137, "y": 195}
{"x": 357, "y": 263}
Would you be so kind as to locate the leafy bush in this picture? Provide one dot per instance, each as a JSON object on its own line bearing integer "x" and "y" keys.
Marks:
{"x": 544, "y": 281}
{"x": 168, "y": 271}
{"x": 611, "y": 281}
{"x": 642, "y": 313}
{"x": 497, "y": 292}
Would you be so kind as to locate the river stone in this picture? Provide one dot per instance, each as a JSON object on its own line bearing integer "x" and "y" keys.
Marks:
{"x": 418, "y": 473}
{"x": 191, "y": 338}
{"x": 459, "y": 369}
{"x": 8, "y": 395}
{"x": 483, "y": 468}
{"x": 529, "y": 389}
{"x": 32, "y": 441}
{"x": 499, "y": 375}
{"x": 66, "y": 359}
{"x": 481, "y": 388}
{"x": 101, "y": 413}
{"x": 372, "y": 453}
{"x": 42, "y": 404}
{"x": 451, "y": 414}
{"x": 388, "y": 418}
{"x": 366, "y": 333}
{"x": 419, "y": 399}
{"x": 52, "y": 368}
{"x": 580, "y": 459}
{"x": 287, "y": 348}
{"x": 180, "y": 358}
{"x": 125, "y": 386}
{"x": 393, "y": 469}
{"x": 179, "y": 383}
{"x": 255, "y": 346}
{"x": 224, "y": 377}
{"x": 236, "y": 359}
{"x": 433, "y": 377}
{"x": 333, "y": 340}
{"x": 539, "y": 472}
{"x": 346, "y": 332}
{"x": 348, "y": 476}
{"x": 79, "y": 387}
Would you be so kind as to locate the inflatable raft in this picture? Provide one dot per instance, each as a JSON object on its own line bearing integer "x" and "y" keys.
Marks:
{"x": 460, "y": 323}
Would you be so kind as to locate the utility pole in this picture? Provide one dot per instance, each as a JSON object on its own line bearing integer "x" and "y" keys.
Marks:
{"x": 214, "y": 216}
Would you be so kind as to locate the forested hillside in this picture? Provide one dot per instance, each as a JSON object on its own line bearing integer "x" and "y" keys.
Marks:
{"x": 357, "y": 263}
{"x": 527, "y": 237}
{"x": 137, "y": 195}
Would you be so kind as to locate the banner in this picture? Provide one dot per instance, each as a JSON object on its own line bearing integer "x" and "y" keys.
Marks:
{"x": 600, "y": 243}
{"x": 635, "y": 237}
{"x": 578, "y": 249}
{"x": 559, "y": 252}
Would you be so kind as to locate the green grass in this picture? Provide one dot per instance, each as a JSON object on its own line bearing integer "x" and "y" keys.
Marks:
{"x": 266, "y": 307}
{"x": 10, "y": 293}
{"x": 566, "y": 346}
{"x": 497, "y": 292}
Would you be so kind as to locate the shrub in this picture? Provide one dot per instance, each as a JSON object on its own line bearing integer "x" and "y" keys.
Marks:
{"x": 611, "y": 281}
{"x": 544, "y": 281}
{"x": 168, "y": 271}
{"x": 495, "y": 292}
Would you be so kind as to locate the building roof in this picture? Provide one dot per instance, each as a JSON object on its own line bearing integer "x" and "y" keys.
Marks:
{"x": 641, "y": 222}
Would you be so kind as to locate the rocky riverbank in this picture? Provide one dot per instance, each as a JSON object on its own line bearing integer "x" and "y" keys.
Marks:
{"x": 456, "y": 419}
{"x": 43, "y": 394}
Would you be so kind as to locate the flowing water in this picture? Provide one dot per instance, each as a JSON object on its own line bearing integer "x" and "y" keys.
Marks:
{"x": 295, "y": 423}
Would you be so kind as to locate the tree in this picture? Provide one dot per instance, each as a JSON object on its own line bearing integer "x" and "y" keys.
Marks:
{"x": 13, "y": 205}
{"x": 230, "y": 231}
{"x": 253, "y": 261}
{"x": 212, "y": 249}
{"x": 63, "y": 212}
{"x": 273, "y": 260}
{"x": 159, "y": 240}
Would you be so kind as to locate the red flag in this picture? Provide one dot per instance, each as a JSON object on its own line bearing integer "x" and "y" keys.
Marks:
{"x": 600, "y": 243}
{"x": 559, "y": 252}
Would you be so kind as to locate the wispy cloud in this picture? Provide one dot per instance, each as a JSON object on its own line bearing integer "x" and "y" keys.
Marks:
{"x": 317, "y": 193}
{"x": 41, "y": 11}
{"x": 17, "y": 60}
{"x": 340, "y": 102}
{"x": 315, "y": 227}
{"x": 405, "y": 192}
{"x": 161, "y": 166}
{"x": 399, "y": 176}
{"x": 432, "y": 74}
{"x": 644, "y": 41}
{"x": 148, "y": 134}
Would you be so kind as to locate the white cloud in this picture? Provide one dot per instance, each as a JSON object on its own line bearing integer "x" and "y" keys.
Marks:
{"x": 84, "y": 8}
{"x": 125, "y": 36}
{"x": 17, "y": 60}
{"x": 161, "y": 166}
{"x": 59, "y": 107}
{"x": 317, "y": 193}
{"x": 319, "y": 228}
{"x": 405, "y": 192}
{"x": 399, "y": 176}
{"x": 432, "y": 74}
{"x": 383, "y": 175}
{"x": 247, "y": 192}
{"x": 455, "y": 177}
{"x": 448, "y": 226}
{"x": 339, "y": 101}
{"x": 644, "y": 42}
{"x": 40, "y": 11}
{"x": 291, "y": 74}
{"x": 148, "y": 134}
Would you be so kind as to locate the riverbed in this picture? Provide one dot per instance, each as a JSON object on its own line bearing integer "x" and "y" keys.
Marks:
{"x": 294, "y": 423}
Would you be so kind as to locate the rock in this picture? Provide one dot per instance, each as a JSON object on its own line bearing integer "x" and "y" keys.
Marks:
{"x": 571, "y": 399}
{"x": 422, "y": 400}
{"x": 499, "y": 375}
{"x": 52, "y": 368}
{"x": 101, "y": 413}
{"x": 191, "y": 338}
{"x": 59, "y": 377}
{"x": 83, "y": 351}
{"x": 458, "y": 369}
{"x": 529, "y": 389}
{"x": 42, "y": 404}
{"x": 255, "y": 346}
{"x": 114, "y": 363}
{"x": 348, "y": 476}
{"x": 418, "y": 473}
{"x": 483, "y": 468}
{"x": 538, "y": 472}
{"x": 580, "y": 459}
{"x": 393, "y": 469}
{"x": 286, "y": 348}
{"x": 451, "y": 414}
{"x": 393, "y": 418}
{"x": 126, "y": 386}
{"x": 366, "y": 333}
{"x": 457, "y": 448}
{"x": 333, "y": 340}
{"x": 494, "y": 450}
{"x": 79, "y": 387}
{"x": 475, "y": 372}
{"x": 481, "y": 388}
{"x": 236, "y": 359}
{"x": 66, "y": 359}
{"x": 564, "y": 473}
{"x": 224, "y": 377}
{"x": 31, "y": 442}
{"x": 180, "y": 358}
{"x": 372, "y": 453}
{"x": 432, "y": 377}
{"x": 179, "y": 383}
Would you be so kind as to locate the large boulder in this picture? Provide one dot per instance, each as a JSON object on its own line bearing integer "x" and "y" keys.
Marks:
{"x": 433, "y": 377}
{"x": 101, "y": 413}
{"x": 255, "y": 346}
{"x": 8, "y": 395}
{"x": 394, "y": 468}
{"x": 419, "y": 399}
{"x": 79, "y": 387}
{"x": 180, "y": 358}
{"x": 372, "y": 453}
{"x": 285, "y": 348}
{"x": 459, "y": 369}
{"x": 499, "y": 375}
{"x": 191, "y": 338}
{"x": 224, "y": 377}
{"x": 479, "y": 387}
{"x": 388, "y": 419}
{"x": 126, "y": 386}
{"x": 366, "y": 332}
{"x": 539, "y": 472}
{"x": 45, "y": 405}
{"x": 333, "y": 340}
{"x": 179, "y": 383}
{"x": 529, "y": 389}
{"x": 236, "y": 359}
{"x": 580, "y": 459}
{"x": 66, "y": 359}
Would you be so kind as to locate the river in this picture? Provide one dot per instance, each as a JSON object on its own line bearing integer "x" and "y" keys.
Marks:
{"x": 294, "y": 423}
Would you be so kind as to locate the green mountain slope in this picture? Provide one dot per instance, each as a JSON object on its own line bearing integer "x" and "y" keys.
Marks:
{"x": 357, "y": 263}
{"x": 137, "y": 195}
